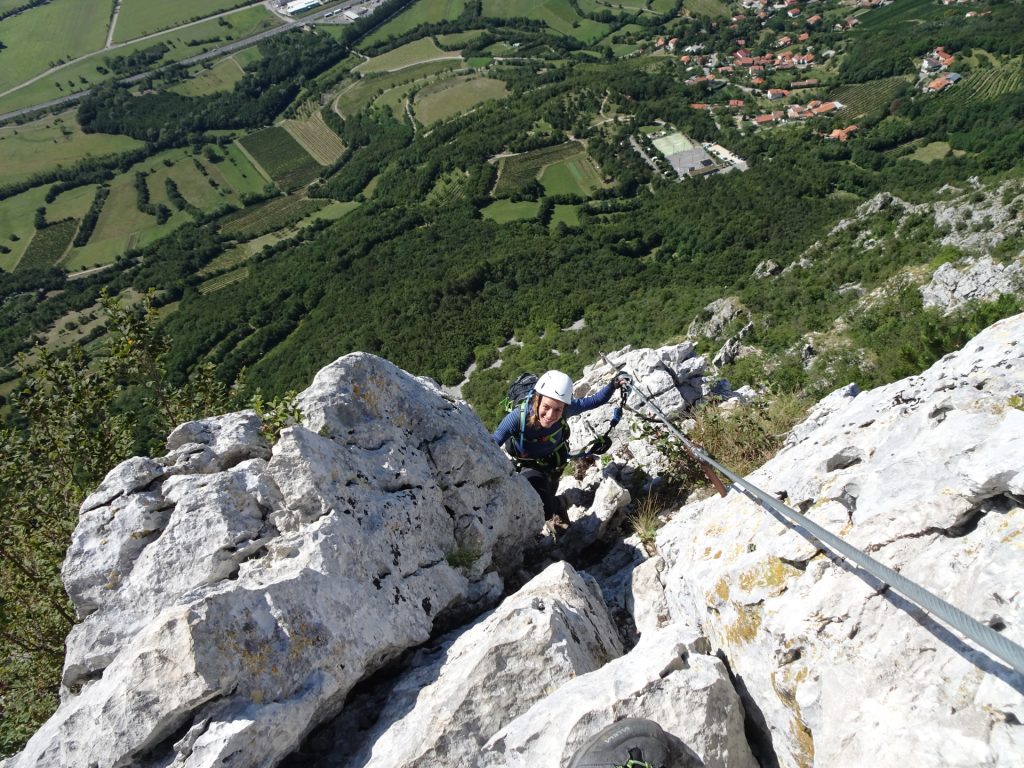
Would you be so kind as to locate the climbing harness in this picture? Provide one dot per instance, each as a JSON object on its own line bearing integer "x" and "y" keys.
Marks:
{"x": 986, "y": 637}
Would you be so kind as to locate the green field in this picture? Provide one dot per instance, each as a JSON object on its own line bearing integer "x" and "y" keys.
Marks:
{"x": 573, "y": 176}
{"x": 221, "y": 76}
{"x": 557, "y": 14}
{"x": 710, "y": 8}
{"x": 566, "y": 214}
{"x": 504, "y": 211}
{"x": 895, "y": 14}
{"x": 458, "y": 94}
{"x": 451, "y": 186}
{"x": 626, "y": 8}
{"x": 70, "y": 79}
{"x": 519, "y": 170}
{"x": 459, "y": 39}
{"x": 421, "y": 12}
{"x": 17, "y": 215}
{"x": 359, "y": 95}
{"x": 47, "y": 34}
{"x": 936, "y": 150}
{"x": 51, "y": 141}
{"x": 143, "y": 17}
{"x": 282, "y": 157}
{"x": 406, "y": 55}
{"x": 223, "y": 281}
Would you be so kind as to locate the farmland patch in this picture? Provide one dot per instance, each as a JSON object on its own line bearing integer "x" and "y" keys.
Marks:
{"x": 49, "y": 244}
{"x": 143, "y": 17}
{"x": 47, "y": 35}
{"x": 576, "y": 175}
{"x": 359, "y": 95}
{"x": 282, "y": 157}
{"x": 323, "y": 144}
{"x": 865, "y": 98}
{"x": 503, "y": 211}
{"x": 458, "y": 94}
{"x": 266, "y": 217}
{"x": 421, "y": 12}
{"x": 517, "y": 171}
{"x": 219, "y": 77}
{"x": 557, "y": 14}
{"x": 406, "y": 55}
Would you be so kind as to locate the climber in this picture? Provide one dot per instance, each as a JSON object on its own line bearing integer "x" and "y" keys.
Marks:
{"x": 536, "y": 435}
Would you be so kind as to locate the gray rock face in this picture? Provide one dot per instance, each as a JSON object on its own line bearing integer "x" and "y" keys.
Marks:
{"x": 236, "y": 595}
{"x": 716, "y": 316}
{"x": 662, "y": 679}
{"x": 923, "y": 474}
{"x": 554, "y": 629}
{"x": 982, "y": 280}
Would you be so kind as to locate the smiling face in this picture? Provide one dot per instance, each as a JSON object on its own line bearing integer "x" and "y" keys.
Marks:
{"x": 549, "y": 411}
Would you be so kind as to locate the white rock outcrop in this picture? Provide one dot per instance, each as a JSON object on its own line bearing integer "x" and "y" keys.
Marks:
{"x": 231, "y": 595}
{"x": 923, "y": 474}
{"x": 980, "y": 280}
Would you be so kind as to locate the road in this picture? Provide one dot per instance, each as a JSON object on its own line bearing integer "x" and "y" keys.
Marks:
{"x": 213, "y": 53}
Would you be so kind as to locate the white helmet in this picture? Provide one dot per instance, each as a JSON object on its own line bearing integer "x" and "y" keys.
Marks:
{"x": 556, "y": 385}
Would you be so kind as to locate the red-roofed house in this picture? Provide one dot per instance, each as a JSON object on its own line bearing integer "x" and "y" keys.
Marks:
{"x": 945, "y": 59}
{"x": 805, "y": 59}
{"x": 814, "y": 19}
{"x": 826, "y": 108}
{"x": 735, "y": 102}
{"x": 758, "y": 81}
{"x": 701, "y": 106}
{"x": 793, "y": 13}
{"x": 776, "y": 93}
{"x": 803, "y": 37}
{"x": 938, "y": 84}
{"x": 762, "y": 120}
{"x": 842, "y": 134}
{"x": 783, "y": 41}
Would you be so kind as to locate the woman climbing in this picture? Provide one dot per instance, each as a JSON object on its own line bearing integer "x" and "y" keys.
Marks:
{"x": 536, "y": 435}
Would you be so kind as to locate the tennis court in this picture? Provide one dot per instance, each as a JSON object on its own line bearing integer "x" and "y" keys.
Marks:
{"x": 673, "y": 144}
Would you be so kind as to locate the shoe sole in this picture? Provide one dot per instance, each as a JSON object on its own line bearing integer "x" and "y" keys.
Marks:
{"x": 610, "y": 747}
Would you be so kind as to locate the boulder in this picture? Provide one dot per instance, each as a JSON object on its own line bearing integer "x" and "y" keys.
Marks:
{"x": 716, "y": 316}
{"x": 471, "y": 684}
{"x": 663, "y": 678}
{"x": 230, "y": 597}
{"x": 924, "y": 475}
{"x": 981, "y": 280}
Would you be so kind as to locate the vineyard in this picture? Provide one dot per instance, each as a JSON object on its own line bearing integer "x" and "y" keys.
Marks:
{"x": 458, "y": 94}
{"x": 361, "y": 94}
{"x": 316, "y": 138}
{"x": 223, "y": 281}
{"x": 282, "y": 157}
{"x": 49, "y": 244}
{"x": 266, "y": 217}
{"x": 227, "y": 261}
{"x": 449, "y": 188}
{"x": 516, "y": 172}
{"x": 987, "y": 84}
{"x": 866, "y": 98}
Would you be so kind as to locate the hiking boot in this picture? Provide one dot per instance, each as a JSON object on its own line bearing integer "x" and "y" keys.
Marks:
{"x": 629, "y": 743}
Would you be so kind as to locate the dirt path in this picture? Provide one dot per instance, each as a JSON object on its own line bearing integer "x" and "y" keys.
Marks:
{"x": 113, "y": 24}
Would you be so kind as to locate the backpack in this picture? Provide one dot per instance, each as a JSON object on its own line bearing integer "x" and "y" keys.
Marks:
{"x": 520, "y": 390}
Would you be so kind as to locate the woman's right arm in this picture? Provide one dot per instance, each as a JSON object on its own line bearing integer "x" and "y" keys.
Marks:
{"x": 508, "y": 427}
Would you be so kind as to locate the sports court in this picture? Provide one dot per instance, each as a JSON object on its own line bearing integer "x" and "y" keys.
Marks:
{"x": 673, "y": 144}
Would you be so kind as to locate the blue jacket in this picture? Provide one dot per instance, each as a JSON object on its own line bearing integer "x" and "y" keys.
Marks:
{"x": 538, "y": 442}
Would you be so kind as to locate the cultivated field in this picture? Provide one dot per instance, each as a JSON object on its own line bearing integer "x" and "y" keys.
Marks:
{"x": 406, "y": 55}
{"x": 709, "y": 8}
{"x": 519, "y": 170}
{"x": 49, "y": 244}
{"x": 629, "y": 7}
{"x": 316, "y": 138}
{"x": 274, "y": 214}
{"x": 282, "y": 157}
{"x": 503, "y": 211}
{"x": 988, "y": 84}
{"x": 223, "y": 281}
{"x": 566, "y": 214}
{"x": 359, "y": 95}
{"x": 221, "y": 76}
{"x": 865, "y": 98}
{"x": 557, "y": 14}
{"x": 51, "y": 141}
{"x": 936, "y": 150}
{"x": 17, "y": 215}
{"x": 47, "y": 34}
{"x": 450, "y": 187}
{"x": 422, "y": 12}
{"x": 86, "y": 73}
{"x": 459, "y": 39}
{"x": 905, "y": 11}
{"x": 143, "y": 17}
{"x": 576, "y": 175}
{"x": 458, "y": 94}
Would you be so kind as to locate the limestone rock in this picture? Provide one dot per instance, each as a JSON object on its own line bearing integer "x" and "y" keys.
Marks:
{"x": 231, "y": 598}
{"x": 982, "y": 280}
{"x": 923, "y": 474}
{"x": 467, "y": 688}
{"x": 687, "y": 693}
{"x": 716, "y": 316}
{"x": 767, "y": 268}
